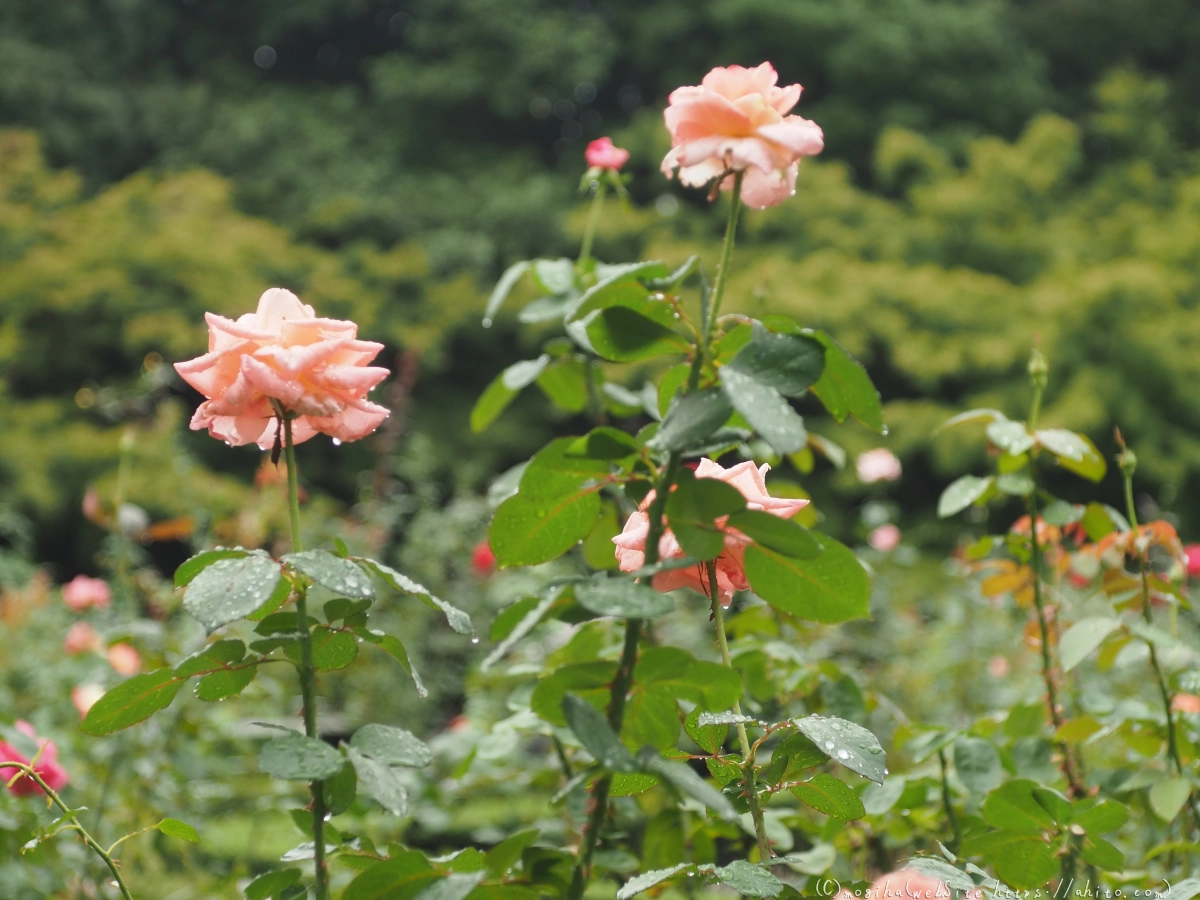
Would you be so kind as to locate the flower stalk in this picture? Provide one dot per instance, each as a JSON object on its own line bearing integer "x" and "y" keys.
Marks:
{"x": 308, "y": 675}
{"x": 593, "y": 219}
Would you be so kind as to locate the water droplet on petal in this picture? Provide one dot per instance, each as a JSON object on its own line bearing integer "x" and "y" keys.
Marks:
{"x": 337, "y": 442}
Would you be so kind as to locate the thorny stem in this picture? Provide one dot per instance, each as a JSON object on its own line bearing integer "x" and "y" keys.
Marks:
{"x": 105, "y": 855}
{"x": 1128, "y": 463}
{"x": 589, "y": 231}
{"x": 308, "y": 675}
{"x": 748, "y": 780}
{"x": 946, "y": 802}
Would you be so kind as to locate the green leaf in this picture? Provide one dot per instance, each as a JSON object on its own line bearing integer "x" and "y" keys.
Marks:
{"x": 458, "y": 620}
{"x": 556, "y": 471}
{"x": 201, "y": 561}
{"x": 339, "y": 575}
{"x": 176, "y": 829}
{"x": 691, "y": 418}
{"x": 565, "y": 384}
{"x": 455, "y": 886}
{"x": 341, "y": 608}
{"x": 831, "y": 796}
{"x": 225, "y": 683}
{"x": 709, "y": 738}
{"x": 1185, "y": 889}
{"x": 1078, "y": 641}
{"x": 598, "y": 549}
{"x": 295, "y": 757}
{"x": 622, "y": 597}
{"x": 972, "y": 415}
{"x": 556, "y": 276}
{"x": 781, "y": 535}
{"x": 789, "y": 363}
{"x": 131, "y": 702}
{"x": 766, "y": 410}
{"x": 530, "y": 614}
{"x": 271, "y": 885}
{"x": 621, "y": 334}
{"x": 1054, "y": 803}
{"x": 748, "y": 879}
{"x": 878, "y": 799}
{"x": 401, "y": 877}
{"x": 846, "y": 743}
{"x": 526, "y": 531}
{"x": 936, "y": 868}
{"x": 688, "y": 783}
{"x": 617, "y": 282}
{"x": 394, "y": 648}
{"x": 1103, "y": 817}
{"x": 332, "y": 650}
{"x": 505, "y": 854}
{"x": 628, "y": 784}
{"x": 1024, "y": 863}
{"x": 214, "y": 656}
{"x": 844, "y": 387}
{"x": 978, "y": 765}
{"x": 597, "y": 736}
{"x": 1103, "y": 855}
{"x": 1167, "y": 796}
{"x": 392, "y": 745}
{"x": 503, "y": 390}
{"x": 587, "y": 680}
{"x": 605, "y": 443}
{"x": 673, "y": 279}
{"x": 379, "y": 781}
{"x": 1075, "y": 452}
{"x": 647, "y": 880}
{"x": 1011, "y": 437}
{"x": 502, "y": 289}
{"x": 1014, "y": 808}
{"x": 692, "y": 508}
{"x": 230, "y": 589}
{"x": 341, "y": 789}
{"x": 832, "y": 587}
{"x": 962, "y": 493}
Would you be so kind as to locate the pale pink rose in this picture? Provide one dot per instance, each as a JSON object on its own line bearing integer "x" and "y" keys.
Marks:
{"x": 731, "y": 574}
{"x": 47, "y": 765}
{"x": 84, "y": 696}
{"x": 879, "y": 464}
{"x": 82, "y": 593}
{"x": 315, "y": 368}
{"x": 737, "y": 120}
{"x": 1186, "y": 703}
{"x": 908, "y": 884}
{"x": 885, "y": 538}
{"x": 124, "y": 659}
{"x": 81, "y": 638}
{"x": 603, "y": 155}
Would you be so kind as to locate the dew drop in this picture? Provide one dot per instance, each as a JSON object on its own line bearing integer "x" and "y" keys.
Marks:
{"x": 474, "y": 640}
{"x": 835, "y": 726}
{"x": 884, "y": 432}
{"x": 842, "y": 754}
{"x": 337, "y": 442}
{"x": 829, "y": 745}
{"x": 885, "y": 771}
{"x": 487, "y": 323}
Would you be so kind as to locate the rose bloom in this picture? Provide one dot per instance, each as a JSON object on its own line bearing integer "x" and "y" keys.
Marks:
{"x": 908, "y": 884}
{"x": 82, "y": 593}
{"x": 731, "y": 574}
{"x": 602, "y": 154}
{"x": 124, "y": 659}
{"x": 737, "y": 119}
{"x": 81, "y": 638}
{"x": 1192, "y": 552}
{"x": 483, "y": 560}
{"x": 879, "y": 464}
{"x": 885, "y": 538}
{"x": 47, "y": 765}
{"x": 315, "y": 368}
{"x": 1186, "y": 703}
{"x": 84, "y": 696}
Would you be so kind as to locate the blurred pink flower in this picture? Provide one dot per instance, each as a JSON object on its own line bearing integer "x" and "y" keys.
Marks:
{"x": 315, "y": 368}
{"x": 997, "y": 667}
{"x": 603, "y": 155}
{"x": 124, "y": 659}
{"x": 737, "y": 120}
{"x": 483, "y": 560}
{"x": 731, "y": 575}
{"x": 879, "y": 464}
{"x": 84, "y": 696}
{"x": 885, "y": 538}
{"x": 47, "y": 765}
{"x": 1186, "y": 703}
{"x": 908, "y": 884}
{"x": 1192, "y": 551}
{"x": 82, "y": 593}
{"x": 81, "y": 638}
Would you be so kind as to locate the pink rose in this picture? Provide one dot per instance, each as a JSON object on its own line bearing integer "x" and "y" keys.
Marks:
{"x": 879, "y": 464}
{"x": 483, "y": 560}
{"x": 885, "y": 538}
{"x": 124, "y": 659}
{"x": 1192, "y": 551}
{"x": 81, "y": 638}
{"x": 603, "y": 155}
{"x": 908, "y": 884}
{"x": 84, "y": 696}
{"x": 731, "y": 574}
{"x": 315, "y": 368}
{"x": 82, "y": 593}
{"x": 737, "y": 119}
{"x": 47, "y": 765}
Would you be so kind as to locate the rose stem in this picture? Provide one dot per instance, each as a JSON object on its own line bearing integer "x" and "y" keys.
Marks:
{"x": 308, "y": 676}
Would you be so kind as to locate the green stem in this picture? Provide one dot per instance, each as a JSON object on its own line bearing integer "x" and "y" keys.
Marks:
{"x": 105, "y": 855}
{"x": 946, "y": 802}
{"x": 589, "y": 230}
{"x": 735, "y": 207}
{"x": 748, "y": 780}
{"x": 308, "y": 674}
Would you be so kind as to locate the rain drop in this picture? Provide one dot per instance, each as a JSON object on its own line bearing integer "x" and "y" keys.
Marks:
{"x": 842, "y": 754}
{"x": 487, "y": 323}
{"x": 884, "y": 432}
{"x": 829, "y": 745}
{"x": 337, "y": 442}
{"x": 885, "y": 771}
{"x": 835, "y": 726}
{"x": 475, "y": 640}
